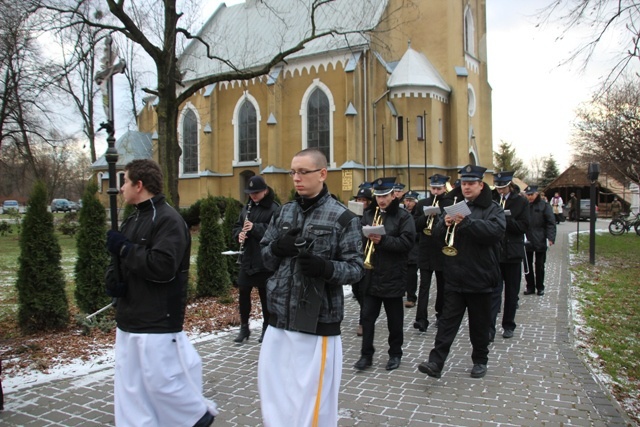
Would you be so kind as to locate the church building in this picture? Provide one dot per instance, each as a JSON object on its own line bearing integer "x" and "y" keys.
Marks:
{"x": 401, "y": 91}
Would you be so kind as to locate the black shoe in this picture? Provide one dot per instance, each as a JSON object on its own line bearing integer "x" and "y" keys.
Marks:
{"x": 492, "y": 338}
{"x": 478, "y": 370}
{"x": 421, "y": 325}
{"x": 540, "y": 293}
{"x": 362, "y": 364}
{"x": 206, "y": 420}
{"x": 243, "y": 334}
{"x": 393, "y": 363}
{"x": 264, "y": 329}
{"x": 508, "y": 333}
{"x": 431, "y": 369}
{"x": 528, "y": 292}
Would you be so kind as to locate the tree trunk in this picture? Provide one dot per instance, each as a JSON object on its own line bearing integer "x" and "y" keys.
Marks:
{"x": 169, "y": 150}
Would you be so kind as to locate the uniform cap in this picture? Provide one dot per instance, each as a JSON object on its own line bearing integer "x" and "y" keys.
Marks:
{"x": 472, "y": 173}
{"x": 502, "y": 179}
{"x": 255, "y": 185}
{"x": 383, "y": 186}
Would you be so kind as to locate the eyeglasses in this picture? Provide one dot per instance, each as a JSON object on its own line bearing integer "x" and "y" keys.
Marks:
{"x": 303, "y": 173}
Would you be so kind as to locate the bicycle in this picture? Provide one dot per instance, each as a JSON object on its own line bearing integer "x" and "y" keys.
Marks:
{"x": 620, "y": 225}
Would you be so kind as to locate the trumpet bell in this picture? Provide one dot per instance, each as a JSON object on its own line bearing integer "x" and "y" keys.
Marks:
{"x": 427, "y": 231}
{"x": 368, "y": 266}
{"x": 449, "y": 251}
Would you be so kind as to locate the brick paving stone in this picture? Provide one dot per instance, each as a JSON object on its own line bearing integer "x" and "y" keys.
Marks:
{"x": 533, "y": 379}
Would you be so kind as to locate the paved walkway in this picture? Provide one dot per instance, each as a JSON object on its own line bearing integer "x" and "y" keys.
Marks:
{"x": 534, "y": 379}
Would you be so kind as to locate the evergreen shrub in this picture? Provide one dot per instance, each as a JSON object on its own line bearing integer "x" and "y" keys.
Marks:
{"x": 42, "y": 301}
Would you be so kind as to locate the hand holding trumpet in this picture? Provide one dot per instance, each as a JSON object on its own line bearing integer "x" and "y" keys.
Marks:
{"x": 375, "y": 238}
{"x": 450, "y": 220}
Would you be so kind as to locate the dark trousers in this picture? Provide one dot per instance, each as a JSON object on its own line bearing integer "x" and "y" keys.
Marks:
{"x": 422, "y": 313}
{"x": 395, "y": 324}
{"x": 535, "y": 277}
{"x": 244, "y": 304}
{"x": 356, "y": 288}
{"x": 412, "y": 282}
{"x": 511, "y": 277}
{"x": 478, "y": 305}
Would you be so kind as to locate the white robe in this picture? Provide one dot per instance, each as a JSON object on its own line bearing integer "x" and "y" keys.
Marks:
{"x": 299, "y": 379}
{"x": 158, "y": 381}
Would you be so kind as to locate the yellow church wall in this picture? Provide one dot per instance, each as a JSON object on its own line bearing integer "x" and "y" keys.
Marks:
{"x": 435, "y": 28}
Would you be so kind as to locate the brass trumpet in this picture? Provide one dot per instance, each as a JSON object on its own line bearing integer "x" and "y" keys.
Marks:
{"x": 449, "y": 250}
{"x": 427, "y": 229}
{"x": 370, "y": 247}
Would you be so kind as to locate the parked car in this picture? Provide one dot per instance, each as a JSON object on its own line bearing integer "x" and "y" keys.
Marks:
{"x": 74, "y": 206}
{"x": 60, "y": 205}
{"x": 10, "y": 205}
{"x": 585, "y": 209}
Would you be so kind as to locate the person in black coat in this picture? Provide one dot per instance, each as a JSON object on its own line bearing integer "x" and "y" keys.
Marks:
{"x": 516, "y": 209}
{"x": 410, "y": 203}
{"x": 472, "y": 271}
{"x": 431, "y": 258}
{"x": 385, "y": 282}
{"x": 542, "y": 231}
{"x": 249, "y": 230}
{"x": 364, "y": 196}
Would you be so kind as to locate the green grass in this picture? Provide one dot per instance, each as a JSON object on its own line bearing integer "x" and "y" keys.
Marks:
{"x": 609, "y": 301}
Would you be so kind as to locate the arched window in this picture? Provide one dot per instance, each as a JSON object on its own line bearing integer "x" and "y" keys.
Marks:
{"x": 189, "y": 142}
{"x": 248, "y": 133}
{"x": 469, "y": 32}
{"x": 318, "y": 122}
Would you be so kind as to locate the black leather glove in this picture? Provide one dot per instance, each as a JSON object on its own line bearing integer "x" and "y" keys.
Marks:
{"x": 117, "y": 243}
{"x": 285, "y": 246}
{"x": 314, "y": 266}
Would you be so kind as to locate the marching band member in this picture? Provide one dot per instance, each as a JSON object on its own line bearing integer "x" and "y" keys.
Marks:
{"x": 472, "y": 275}
{"x": 516, "y": 208}
{"x": 249, "y": 230}
{"x": 364, "y": 196}
{"x": 410, "y": 203}
{"x": 431, "y": 258}
{"x": 386, "y": 278}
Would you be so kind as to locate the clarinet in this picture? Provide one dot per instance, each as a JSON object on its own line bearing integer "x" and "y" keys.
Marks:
{"x": 241, "y": 250}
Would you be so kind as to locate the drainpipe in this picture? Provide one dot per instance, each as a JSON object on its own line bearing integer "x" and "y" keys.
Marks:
{"x": 375, "y": 129}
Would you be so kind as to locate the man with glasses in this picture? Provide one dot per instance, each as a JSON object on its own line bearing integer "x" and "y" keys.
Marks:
{"x": 313, "y": 245}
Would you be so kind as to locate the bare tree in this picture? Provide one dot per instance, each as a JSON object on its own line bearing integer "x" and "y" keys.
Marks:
{"x": 536, "y": 167}
{"x": 25, "y": 89}
{"x": 156, "y": 27}
{"x": 77, "y": 73}
{"x": 604, "y": 18}
{"x": 607, "y": 130}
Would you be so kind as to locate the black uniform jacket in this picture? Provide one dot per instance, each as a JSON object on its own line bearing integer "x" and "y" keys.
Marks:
{"x": 389, "y": 275}
{"x": 430, "y": 253}
{"x": 476, "y": 268}
{"x": 512, "y": 246}
{"x": 155, "y": 269}
{"x": 260, "y": 215}
{"x": 542, "y": 226}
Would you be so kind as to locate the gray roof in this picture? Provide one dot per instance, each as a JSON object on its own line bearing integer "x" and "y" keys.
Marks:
{"x": 132, "y": 145}
{"x": 251, "y": 33}
{"x": 415, "y": 70}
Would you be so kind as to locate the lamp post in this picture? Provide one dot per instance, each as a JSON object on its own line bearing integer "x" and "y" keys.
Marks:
{"x": 592, "y": 174}
{"x": 104, "y": 78}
